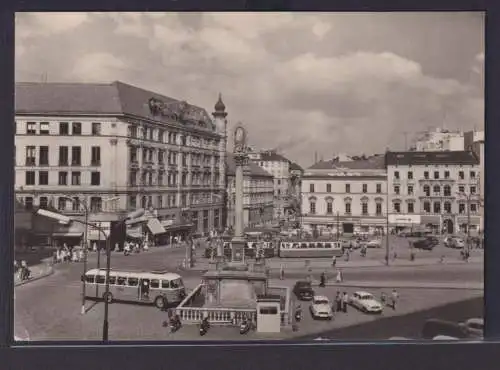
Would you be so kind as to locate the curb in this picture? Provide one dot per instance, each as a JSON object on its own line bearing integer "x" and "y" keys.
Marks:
{"x": 49, "y": 273}
{"x": 387, "y": 285}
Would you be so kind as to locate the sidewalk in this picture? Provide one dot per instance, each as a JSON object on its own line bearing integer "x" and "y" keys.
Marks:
{"x": 323, "y": 264}
{"x": 37, "y": 272}
{"x": 402, "y": 284}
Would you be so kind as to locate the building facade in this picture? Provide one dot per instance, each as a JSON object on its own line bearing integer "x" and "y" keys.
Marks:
{"x": 279, "y": 167}
{"x": 258, "y": 191}
{"x": 438, "y": 190}
{"x": 95, "y": 142}
{"x": 345, "y": 197}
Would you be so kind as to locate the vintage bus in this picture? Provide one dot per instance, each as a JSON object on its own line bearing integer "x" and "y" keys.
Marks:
{"x": 309, "y": 248}
{"x": 157, "y": 287}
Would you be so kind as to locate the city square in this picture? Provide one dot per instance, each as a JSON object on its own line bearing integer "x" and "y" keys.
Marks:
{"x": 142, "y": 216}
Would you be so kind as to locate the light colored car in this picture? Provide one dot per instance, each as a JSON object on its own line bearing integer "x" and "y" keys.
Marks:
{"x": 321, "y": 308}
{"x": 365, "y": 302}
{"x": 474, "y": 326}
{"x": 374, "y": 243}
{"x": 444, "y": 337}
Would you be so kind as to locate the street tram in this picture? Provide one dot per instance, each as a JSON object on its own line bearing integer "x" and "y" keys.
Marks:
{"x": 309, "y": 248}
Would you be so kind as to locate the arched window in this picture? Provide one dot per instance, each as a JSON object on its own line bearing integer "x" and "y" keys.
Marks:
{"x": 447, "y": 207}
{"x": 437, "y": 207}
{"x": 427, "y": 190}
{"x": 427, "y": 207}
{"x": 329, "y": 205}
{"x": 312, "y": 205}
{"x": 447, "y": 190}
{"x": 436, "y": 189}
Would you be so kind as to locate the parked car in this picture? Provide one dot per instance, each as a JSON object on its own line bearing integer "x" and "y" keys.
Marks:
{"x": 474, "y": 326}
{"x": 365, "y": 302}
{"x": 374, "y": 243}
{"x": 435, "y": 327}
{"x": 425, "y": 244}
{"x": 303, "y": 290}
{"x": 454, "y": 242}
{"x": 434, "y": 241}
{"x": 321, "y": 308}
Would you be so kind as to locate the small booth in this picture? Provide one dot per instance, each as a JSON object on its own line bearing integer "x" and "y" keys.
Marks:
{"x": 268, "y": 314}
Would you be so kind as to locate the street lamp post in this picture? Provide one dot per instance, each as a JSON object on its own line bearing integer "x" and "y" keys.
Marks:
{"x": 85, "y": 248}
{"x": 387, "y": 226}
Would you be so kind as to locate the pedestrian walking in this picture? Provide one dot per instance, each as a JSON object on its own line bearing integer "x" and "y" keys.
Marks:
{"x": 345, "y": 300}
{"x": 383, "y": 299}
{"x": 282, "y": 272}
{"x": 338, "y": 302}
{"x": 339, "y": 277}
{"x": 334, "y": 261}
{"x": 322, "y": 280}
{"x": 94, "y": 247}
{"x": 394, "y": 298}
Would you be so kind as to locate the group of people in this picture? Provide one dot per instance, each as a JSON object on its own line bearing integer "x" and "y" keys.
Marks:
{"x": 68, "y": 254}
{"x": 393, "y": 299}
{"x": 136, "y": 247}
{"x": 22, "y": 270}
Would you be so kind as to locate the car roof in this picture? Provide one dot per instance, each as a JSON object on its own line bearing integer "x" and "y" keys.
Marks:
{"x": 361, "y": 292}
{"x": 320, "y": 297}
{"x": 475, "y": 320}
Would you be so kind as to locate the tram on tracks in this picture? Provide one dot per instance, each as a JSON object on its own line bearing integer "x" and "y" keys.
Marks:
{"x": 253, "y": 247}
{"x": 309, "y": 248}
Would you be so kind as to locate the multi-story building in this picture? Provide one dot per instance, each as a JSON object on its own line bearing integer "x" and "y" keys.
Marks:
{"x": 296, "y": 173}
{"x": 439, "y": 190}
{"x": 278, "y": 166}
{"x": 91, "y": 142}
{"x": 258, "y": 191}
{"x": 474, "y": 140}
{"x": 439, "y": 140}
{"x": 345, "y": 197}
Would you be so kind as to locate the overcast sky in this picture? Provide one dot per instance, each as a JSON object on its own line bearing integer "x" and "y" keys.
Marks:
{"x": 301, "y": 82}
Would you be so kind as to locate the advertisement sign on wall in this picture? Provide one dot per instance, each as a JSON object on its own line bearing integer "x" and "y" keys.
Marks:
{"x": 404, "y": 219}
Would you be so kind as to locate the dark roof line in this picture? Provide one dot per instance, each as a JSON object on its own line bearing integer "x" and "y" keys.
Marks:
{"x": 439, "y": 157}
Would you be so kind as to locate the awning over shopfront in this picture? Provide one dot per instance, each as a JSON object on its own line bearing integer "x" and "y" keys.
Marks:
{"x": 155, "y": 226}
{"x": 72, "y": 231}
{"x": 98, "y": 235}
{"x": 135, "y": 221}
{"x": 135, "y": 231}
{"x": 174, "y": 227}
{"x": 68, "y": 234}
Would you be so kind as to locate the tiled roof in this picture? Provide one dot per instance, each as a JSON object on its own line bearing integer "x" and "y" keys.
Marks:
{"x": 371, "y": 163}
{"x": 272, "y": 156}
{"x": 116, "y": 98}
{"x": 255, "y": 170}
{"x": 295, "y": 167}
{"x": 416, "y": 158}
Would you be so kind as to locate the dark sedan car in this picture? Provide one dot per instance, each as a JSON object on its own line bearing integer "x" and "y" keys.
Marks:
{"x": 425, "y": 244}
{"x": 303, "y": 290}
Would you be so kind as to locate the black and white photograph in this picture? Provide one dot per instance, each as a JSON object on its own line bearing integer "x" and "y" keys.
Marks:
{"x": 236, "y": 176}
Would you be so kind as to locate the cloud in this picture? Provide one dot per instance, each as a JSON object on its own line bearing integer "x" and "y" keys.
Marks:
{"x": 97, "y": 67}
{"x": 303, "y": 82}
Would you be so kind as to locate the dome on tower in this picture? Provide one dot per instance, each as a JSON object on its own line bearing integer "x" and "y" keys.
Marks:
{"x": 220, "y": 106}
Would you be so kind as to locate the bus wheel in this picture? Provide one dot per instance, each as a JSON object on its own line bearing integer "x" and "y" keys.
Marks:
{"x": 160, "y": 302}
{"x": 108, "y": 297}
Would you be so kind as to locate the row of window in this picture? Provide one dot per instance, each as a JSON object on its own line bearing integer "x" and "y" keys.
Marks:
{"x": 436, "y": 190}
{"x": 64, "y": 159}
{"x": 62, "y": 203}
{"x": 461, "y": 175}
{"x": 364, "y": 208}
{"x": 150, "y": 178}
{"x": 65, "y": 128}
{"x": 151, "y": 201}
{"x": 148, "y": 155}
{"x": 132, "y": 281}
{"x": 63, "y": 178}
{"x": 364, "y": 188}
{"x": 160, "y": 135}
{"x": 436, "y": 207}
{"x": 398, "y": 209}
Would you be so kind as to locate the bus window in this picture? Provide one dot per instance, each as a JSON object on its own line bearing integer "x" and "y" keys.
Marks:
{"x": 328, "y": 245}
{"x": 165, "y": 284}
{"x": 121, "y": 280}
{"x": 303, "y": 245}
{"x": 112, "y": 280}
{"x": 99, "y": 279}
{"x": 295, "y": 245}
{"x": 155, "y": 283}
{"x": 90, "y": 279}
{"x": 133, "y": 281}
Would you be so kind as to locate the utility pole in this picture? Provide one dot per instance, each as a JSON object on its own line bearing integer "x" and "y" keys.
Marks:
{"x": 338, "y": 226}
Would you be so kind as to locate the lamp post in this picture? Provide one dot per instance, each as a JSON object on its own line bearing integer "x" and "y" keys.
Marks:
{"x": 387, "y": 226}
{"x": 67, "y": 220}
